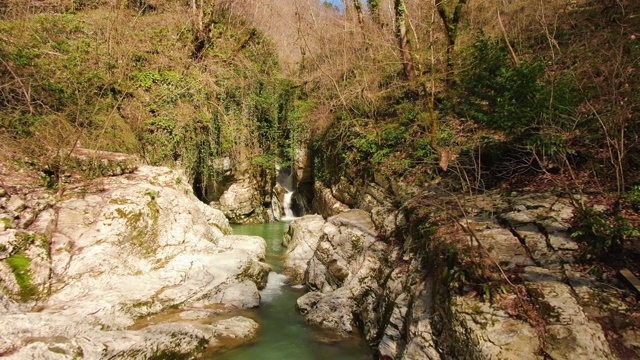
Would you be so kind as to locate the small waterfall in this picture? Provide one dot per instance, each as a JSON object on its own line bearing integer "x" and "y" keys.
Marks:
{"x": 286, "y": 180}
{"x": 275, "y": 282}
{"x": 286, "y": 204}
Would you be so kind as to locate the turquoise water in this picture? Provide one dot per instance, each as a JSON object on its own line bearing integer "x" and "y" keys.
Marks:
{"x": 284, "y": 334}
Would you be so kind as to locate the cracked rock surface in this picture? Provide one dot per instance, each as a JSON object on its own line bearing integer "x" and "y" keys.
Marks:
{"x": 81, "y": 273}
{"x": 387, "y": 280}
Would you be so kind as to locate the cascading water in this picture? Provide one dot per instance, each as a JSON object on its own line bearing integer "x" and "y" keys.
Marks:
{"x": 286, "y": 204}
{"x": 284, "y": 334}
{"x": 285, "y": 179}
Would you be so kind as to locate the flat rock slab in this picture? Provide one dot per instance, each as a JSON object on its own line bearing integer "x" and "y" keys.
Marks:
{"x": 570, "y": 334}
{"x": 503, "y": 246}
{"x": 499, "y": 336}
{"x": 358, "y": 219}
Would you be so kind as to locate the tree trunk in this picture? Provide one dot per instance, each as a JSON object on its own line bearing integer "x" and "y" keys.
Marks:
{"x": 450, "y": 23}
{"x": 374, "y": 8}
{"x": 197, "y": 7}
{"x": 358, "y": 6}
{"x": 403, "y": 40}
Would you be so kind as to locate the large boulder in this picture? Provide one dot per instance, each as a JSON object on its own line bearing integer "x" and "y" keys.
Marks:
{"x": 340, "y": 270}
{"x": 84, "y": 273}
{"x": 301, "y": 241}
{"x": 242, "y": 203}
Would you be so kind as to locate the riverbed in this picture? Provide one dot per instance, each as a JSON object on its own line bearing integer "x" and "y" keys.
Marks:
{"x": 284, "y": 334}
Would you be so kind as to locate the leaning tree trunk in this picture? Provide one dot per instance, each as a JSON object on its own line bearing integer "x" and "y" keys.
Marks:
{"x": 403, "y": 40}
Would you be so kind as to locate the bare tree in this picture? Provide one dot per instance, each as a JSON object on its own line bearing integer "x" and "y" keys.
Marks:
{"x": 403, "y": 40}
{"x": 357, "y": 5}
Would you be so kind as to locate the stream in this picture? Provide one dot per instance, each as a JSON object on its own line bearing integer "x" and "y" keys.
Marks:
{"x": 284, "y": 334}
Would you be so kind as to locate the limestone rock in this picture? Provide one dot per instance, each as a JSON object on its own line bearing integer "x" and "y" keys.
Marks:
{"x": 115, "y": 250}
{"x": 241, "y": 203}
{"x": 374, "y": 196}
{"x": 301, "y": 241}
{"x": 217, "y": 220}
{"x": 325, "y": 203}
{"x": 345, "y": 192}
{"x": 340, "y": 269}
{"x": 277, "y": 199}
{"x": 570, "y": 333}
{"x": 386, "y": 220}
{"x": 178, "y": 339}
{"x": 95, "y": 163}
{"x": 334, "y": 311}
{"x": 497, "y": 335}
{"x": 393, "y": 286}
{"x": 501, "y": 243}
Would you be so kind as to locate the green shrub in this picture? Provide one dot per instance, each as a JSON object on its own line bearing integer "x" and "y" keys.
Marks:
{"x": 633, "y": 197}
{"x": 512, "y": 98}
{"x": 603, "y": 234}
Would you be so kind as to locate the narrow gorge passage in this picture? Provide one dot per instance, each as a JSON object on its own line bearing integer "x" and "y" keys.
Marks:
{"x": 284, "y": 334}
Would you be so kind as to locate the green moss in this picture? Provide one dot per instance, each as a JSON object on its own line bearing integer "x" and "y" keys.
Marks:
{"x": 119, "y": 201}
{"x": 44, "y": 244}
{"x": 142, "y": 304}
{"x": 24, "y": 240}
{"x": 19, "y": 265}
{"x": 143, "y": 236}
{"x": 121, "y": 213}
{"x": 7, "y": 223}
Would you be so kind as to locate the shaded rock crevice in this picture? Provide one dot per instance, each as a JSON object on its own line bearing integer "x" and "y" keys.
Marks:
{"x": 407, "y": 291}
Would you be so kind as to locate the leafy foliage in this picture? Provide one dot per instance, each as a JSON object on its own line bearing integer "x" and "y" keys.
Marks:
{"x": 125, "y": 81}
{"x": 511, "y": 98}
{"x": 603, "y": 234}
